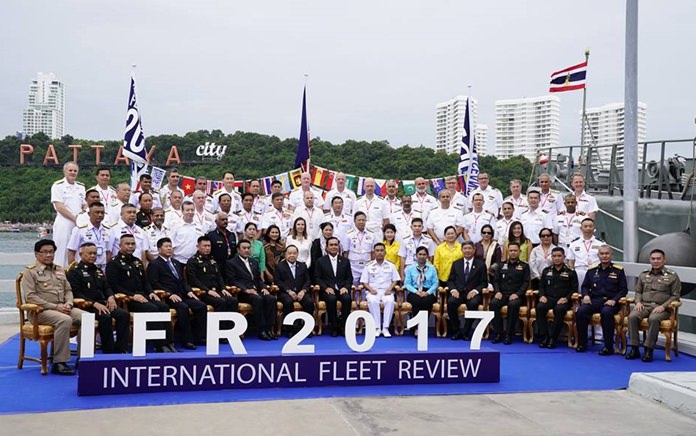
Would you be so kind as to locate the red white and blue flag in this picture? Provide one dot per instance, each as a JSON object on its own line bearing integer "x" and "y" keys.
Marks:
{"x": 569, "y": 79}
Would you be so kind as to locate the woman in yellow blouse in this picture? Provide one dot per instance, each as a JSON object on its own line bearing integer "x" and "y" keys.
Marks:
{"x": 516, "y": 233}
{"x": 446, "y": 254}
{"x": 392, "y": 245}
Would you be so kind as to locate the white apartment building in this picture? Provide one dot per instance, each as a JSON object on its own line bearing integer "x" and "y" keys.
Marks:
{"x": 449, "y": 125}
{"x": 606, "y": 125}
{"x": 46, "y": 110}
{"x": 525, "y": 125}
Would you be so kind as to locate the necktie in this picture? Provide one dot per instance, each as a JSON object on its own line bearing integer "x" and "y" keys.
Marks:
{"x": 248, "y": 267}
{"x": 334, "y": 261}
{"x": 171, "y": 268}
{"x": 292, "y": 269}
{"x": 466, "y": 271}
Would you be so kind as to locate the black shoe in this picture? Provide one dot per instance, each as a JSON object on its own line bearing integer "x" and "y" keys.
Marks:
{"x": 170, "y": 348}
{"x": 606, "y": 351}
{"x": 456, "y": 335}
{"x": 466, "y": 336}
{"x": 634, "y": 353}
{"x": 543, "y": 343}
{"x": 264, "y": 336}
{"x": 508, "y": 340}
{"x": 648, "y": 356}
{"x": 497, "y": 338}
{"x": 189, "y": 345}
{"x": 289, "y": 334}
{"x": 551, "y": 343}
{"x": 334, "y": 333}
{"x": 581, "y": 349}
{"x": 62, "y": 369}
{"x": 272, "y": 335}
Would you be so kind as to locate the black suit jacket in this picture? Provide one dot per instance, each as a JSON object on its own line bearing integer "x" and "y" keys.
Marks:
{"x": 324, "y": 275}
{"x": 477, "y": 279}
{"x": 237, "y": 274}
{"x": 286, "y": 282}
{"x": 161, "y": 277}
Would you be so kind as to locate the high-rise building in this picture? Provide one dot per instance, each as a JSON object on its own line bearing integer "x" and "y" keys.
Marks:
{"x": 46, "y": 110}
{"x": 525, "y": 125}
{"x": 606, "y": 125}
{"x": 449, "y": 125}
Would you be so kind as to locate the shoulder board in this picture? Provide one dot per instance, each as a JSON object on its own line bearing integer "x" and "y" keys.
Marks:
{"x": 554, "y": 191}
{"x": 372, "y": 262}
{"x": 58, "y": 182}
{"x": 82, "y": 226}
{"x": 351, "y": 231}
{"x": 496, "y": 189}
{"x": 668, "y": 271}
{"x": 369, "y": 231}
{"x": 79, "y": 183}
{"x": 108, "y": 226}
{"x": 619, "y": 267}
{"x": 32, "y": 266}
{"x": 488, "y": 212}
{"x": 646, "y": 271}
{"x": 110, "y": 187}
{"x": 576, "y": 239}
{"x": 593, "y": 267}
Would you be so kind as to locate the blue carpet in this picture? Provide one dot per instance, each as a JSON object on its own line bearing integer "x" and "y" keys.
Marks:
{"x": 524, "y": 368}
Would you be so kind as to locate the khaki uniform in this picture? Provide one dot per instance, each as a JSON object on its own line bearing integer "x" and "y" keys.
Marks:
{"x": 48, "y": 287}
{"x": 654, "y": 288}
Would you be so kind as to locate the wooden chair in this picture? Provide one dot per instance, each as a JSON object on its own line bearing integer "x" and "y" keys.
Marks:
{"x": 596, "y": 321}
{"x": 401, "y": 309}
{"x": 439, "y": 312}
{"x": 486, "y": 295}
{"x": 320, "y": 306}
{"x": 31, "y": 329}
{"x": 568, "y": 319}
{"x": 668, "y": 327}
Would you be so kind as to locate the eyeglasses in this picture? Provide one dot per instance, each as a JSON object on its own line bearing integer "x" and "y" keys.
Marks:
{"x": 486, "y": 233}
{"x": 47, "y": 253}
{"x": 545, "y": 235}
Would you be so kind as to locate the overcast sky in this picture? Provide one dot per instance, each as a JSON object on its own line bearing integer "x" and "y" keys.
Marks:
{"x": 376, "y": 68}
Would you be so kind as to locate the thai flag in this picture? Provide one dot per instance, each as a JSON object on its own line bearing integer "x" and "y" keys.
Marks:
{"x": 569, "y": 79}
{"x": 468, "y": 155}
{"x": 134, "y": 140}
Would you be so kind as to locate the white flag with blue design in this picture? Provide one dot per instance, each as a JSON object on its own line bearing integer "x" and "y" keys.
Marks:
{"x": 468, "y": 155}
{"x": 134, "y": 140}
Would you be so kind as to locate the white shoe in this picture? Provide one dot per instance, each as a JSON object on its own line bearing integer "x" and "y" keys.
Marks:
{"x": 378, "y": 332}
{"x": 386, "y": 333}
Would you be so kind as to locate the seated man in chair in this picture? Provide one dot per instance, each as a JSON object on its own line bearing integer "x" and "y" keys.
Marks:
{"x": 44, "y": 284}
{"x": 335, "y": 278}
{"x": 292, "y": 278}
{"x": 510, "y": 285}
{"x": 467, "y": 279}
{"x": 379, "y": 278}
{"x": 89, "y": 283}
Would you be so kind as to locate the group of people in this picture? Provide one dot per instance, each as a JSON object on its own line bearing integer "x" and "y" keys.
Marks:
{"x": 133, "y": 243}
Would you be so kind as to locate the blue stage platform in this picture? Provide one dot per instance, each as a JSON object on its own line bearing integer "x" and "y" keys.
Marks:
{"x": 523, "y": 368}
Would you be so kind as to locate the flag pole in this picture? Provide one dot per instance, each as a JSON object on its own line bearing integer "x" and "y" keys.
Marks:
{"x": 584, "y": 113}
{"x": 309, "y": 146}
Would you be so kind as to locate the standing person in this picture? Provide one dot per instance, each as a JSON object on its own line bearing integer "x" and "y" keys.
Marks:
{"x": 293, "y": 280}
{"x": 92, "y": 196}
{"x": 586, "y": 202}
{"x": 476, "y": 219}
{"x": 442, "y": 217}
{"x": 297, "y": 196}
{"x": 583, "y": 252}
{"x": 94, "y": 232}
{"x": 517, "y": 236}
{"x": 551, "y": 201}
{"x": 334, "y": 278}
{"x": 44, "y": 283}
{"x": 67, "y": 195}
{"x": 259, "y": 203}
{"x": 298, "y": 237}
{"x": 185, "y": 237}
{"x": 340, "y": 190}
{"x": 517, "y": 198}
{"x": 223, "y": 242}
{"x": 277, "y": 216}
{"x": 247, "y": 215}
{"x": 357, "y": 245}
{"x": 488, "y": 251}
{"x": 502, "y": 226}
{"x": 557, "y": 285}
{"x": 375, "y": 209}
{"x": 171, "y": 186}
{"x": 156, "y": 231}
{"x": 88, "y": 281}
{"x": 492, "y": 197}
{"x": 200, "y": 215}
{"x": 458, "y": 200}
{"x": 604, "y": 285}
{"x": 403, "y": 218}
{"x": 467, "y": 278}
{"x": 567, "y": 225}
{"x": 122, "y": 198}
{"x": 126, "y": 225}
{"x": 225, "y": 203}
{"x": 227, "y": 188}
{"x": 106, "y": 192}
{"x": 423, "y": 202}
{"x": 540, "y": 257}
{"x": 392, "y": 201}
{"x": 379, "y": 278}
{"x": 446, "y": 254}
{"x": 145, "y": 185}
{"x": 342, "y": 222}
{"x": 276, "y": 188}
{"x": 274, "y": 247}
{"x": 392, "y": 246}
{"x": 421, "y": 283}
{"x": 534, "y": 219}
{"x": 312, "y": 215}
{"x": 656, "y": 289}
{"x": 201, "y": 184}
{"x": 143, "y": 217}
{"x": 510, "y": 285}
{"x": 407, "y": 251}
{"x": 174, "y": 215}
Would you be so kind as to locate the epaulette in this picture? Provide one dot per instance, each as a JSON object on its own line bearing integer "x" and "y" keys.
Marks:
{"x": 110, "y": 187}
{"x": 58, "y": 182}
{"x": 108, "y": 226}
{"x": 82, "y": 226}
{"x": 79, "y": 183}
{"x": 489, "y": 212}
{"x": 575, "y": 239}
{"x": 593, "y": 267}
{"x": 32, "y": 266}
{"x": 372, "y": 262}
{"x": 619, "y": 267}
{"x": 646, "y": 271}
{"x": 554, "y": 191}
{"x": 668, "y": 271}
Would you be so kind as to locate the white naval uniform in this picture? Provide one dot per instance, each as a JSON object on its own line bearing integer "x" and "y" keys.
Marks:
{"x": 209, "y": 206}
{"x": 393, "y": 206}
{"x": 402, "y": 222}
{"x": 153, "y": 235}
{"x": 502, "y": 229}
{"x": 105, "y": 195}
{"x": 135, "y": 199}
{"x": 114, "y": 208}
{"x": 551, "y": 202}
{"x": 359, "y": 246}
{"x": 313, "y": 218}
{"x": 423, "y": 204}
{"x": 439, "y": 219}
{"x": 408, "y": 248}
{"x": 83, "y": 219}
{"x": 164, "y": 194}
{"x": 72, "y": 196}
{"x": 98, "y": 236}
{"x": 173, "y": 218}
{"x": 492, "y": 199}
{"x": 205, "y": 219}
{"x": 520, "y": 205}
{"x": 281, "y": 218}
{"x": 376, "y": 211}
{"x": 184, "y": 239}
{"x": 474, "y": 221}
{"x": 243, "y": 218}
{"x": 585, "y": 253}
{"x": 341, "y": 224}
{"x": 236, "y": 200}
{"x": 296, "y": 198}
{"x": 533, "y": 222}
{"x": 568, "y": 228}
{"x": 268, "y": 203}
{"x": 348, "y": 196}
{"x": 380, "y": 277}
{"x": 586, "y": 203}
{"x": 459, "y": 201}
{"x": 121, "y": 228}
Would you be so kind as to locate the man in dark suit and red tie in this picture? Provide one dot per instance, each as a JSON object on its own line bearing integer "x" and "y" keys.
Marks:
{"x": 335, "y": 279}
{"x": 292, "y": 278}
{"x": 243, "y": 272}
{"x": 467, "y": 279}
{"x": 167, "y": 274}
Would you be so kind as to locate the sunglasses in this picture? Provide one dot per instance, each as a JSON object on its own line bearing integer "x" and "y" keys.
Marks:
{"x": 545, "y": 235}
{"x": 486, "y": 233}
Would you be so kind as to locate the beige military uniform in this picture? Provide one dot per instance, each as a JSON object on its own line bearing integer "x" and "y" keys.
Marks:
{"x": 654, "y": 288}
{"x": 48, "y": 287}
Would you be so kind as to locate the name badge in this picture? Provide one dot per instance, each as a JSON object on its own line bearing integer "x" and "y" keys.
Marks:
{"x": 100, "y": 251}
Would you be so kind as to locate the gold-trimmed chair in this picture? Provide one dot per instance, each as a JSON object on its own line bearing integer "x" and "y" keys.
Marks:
{"x": 568, "y": 319}
{"x": 669, "y": 328}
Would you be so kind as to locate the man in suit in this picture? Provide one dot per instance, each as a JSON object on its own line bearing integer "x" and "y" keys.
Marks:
{"x": 243, "y": 272}
{"x": 292, "y": 278}
{"x": 335, "y": 278}
{"x": 510, "y": 284}
{"x": 167, "y": 273}
{"x": 467, "y": 279}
